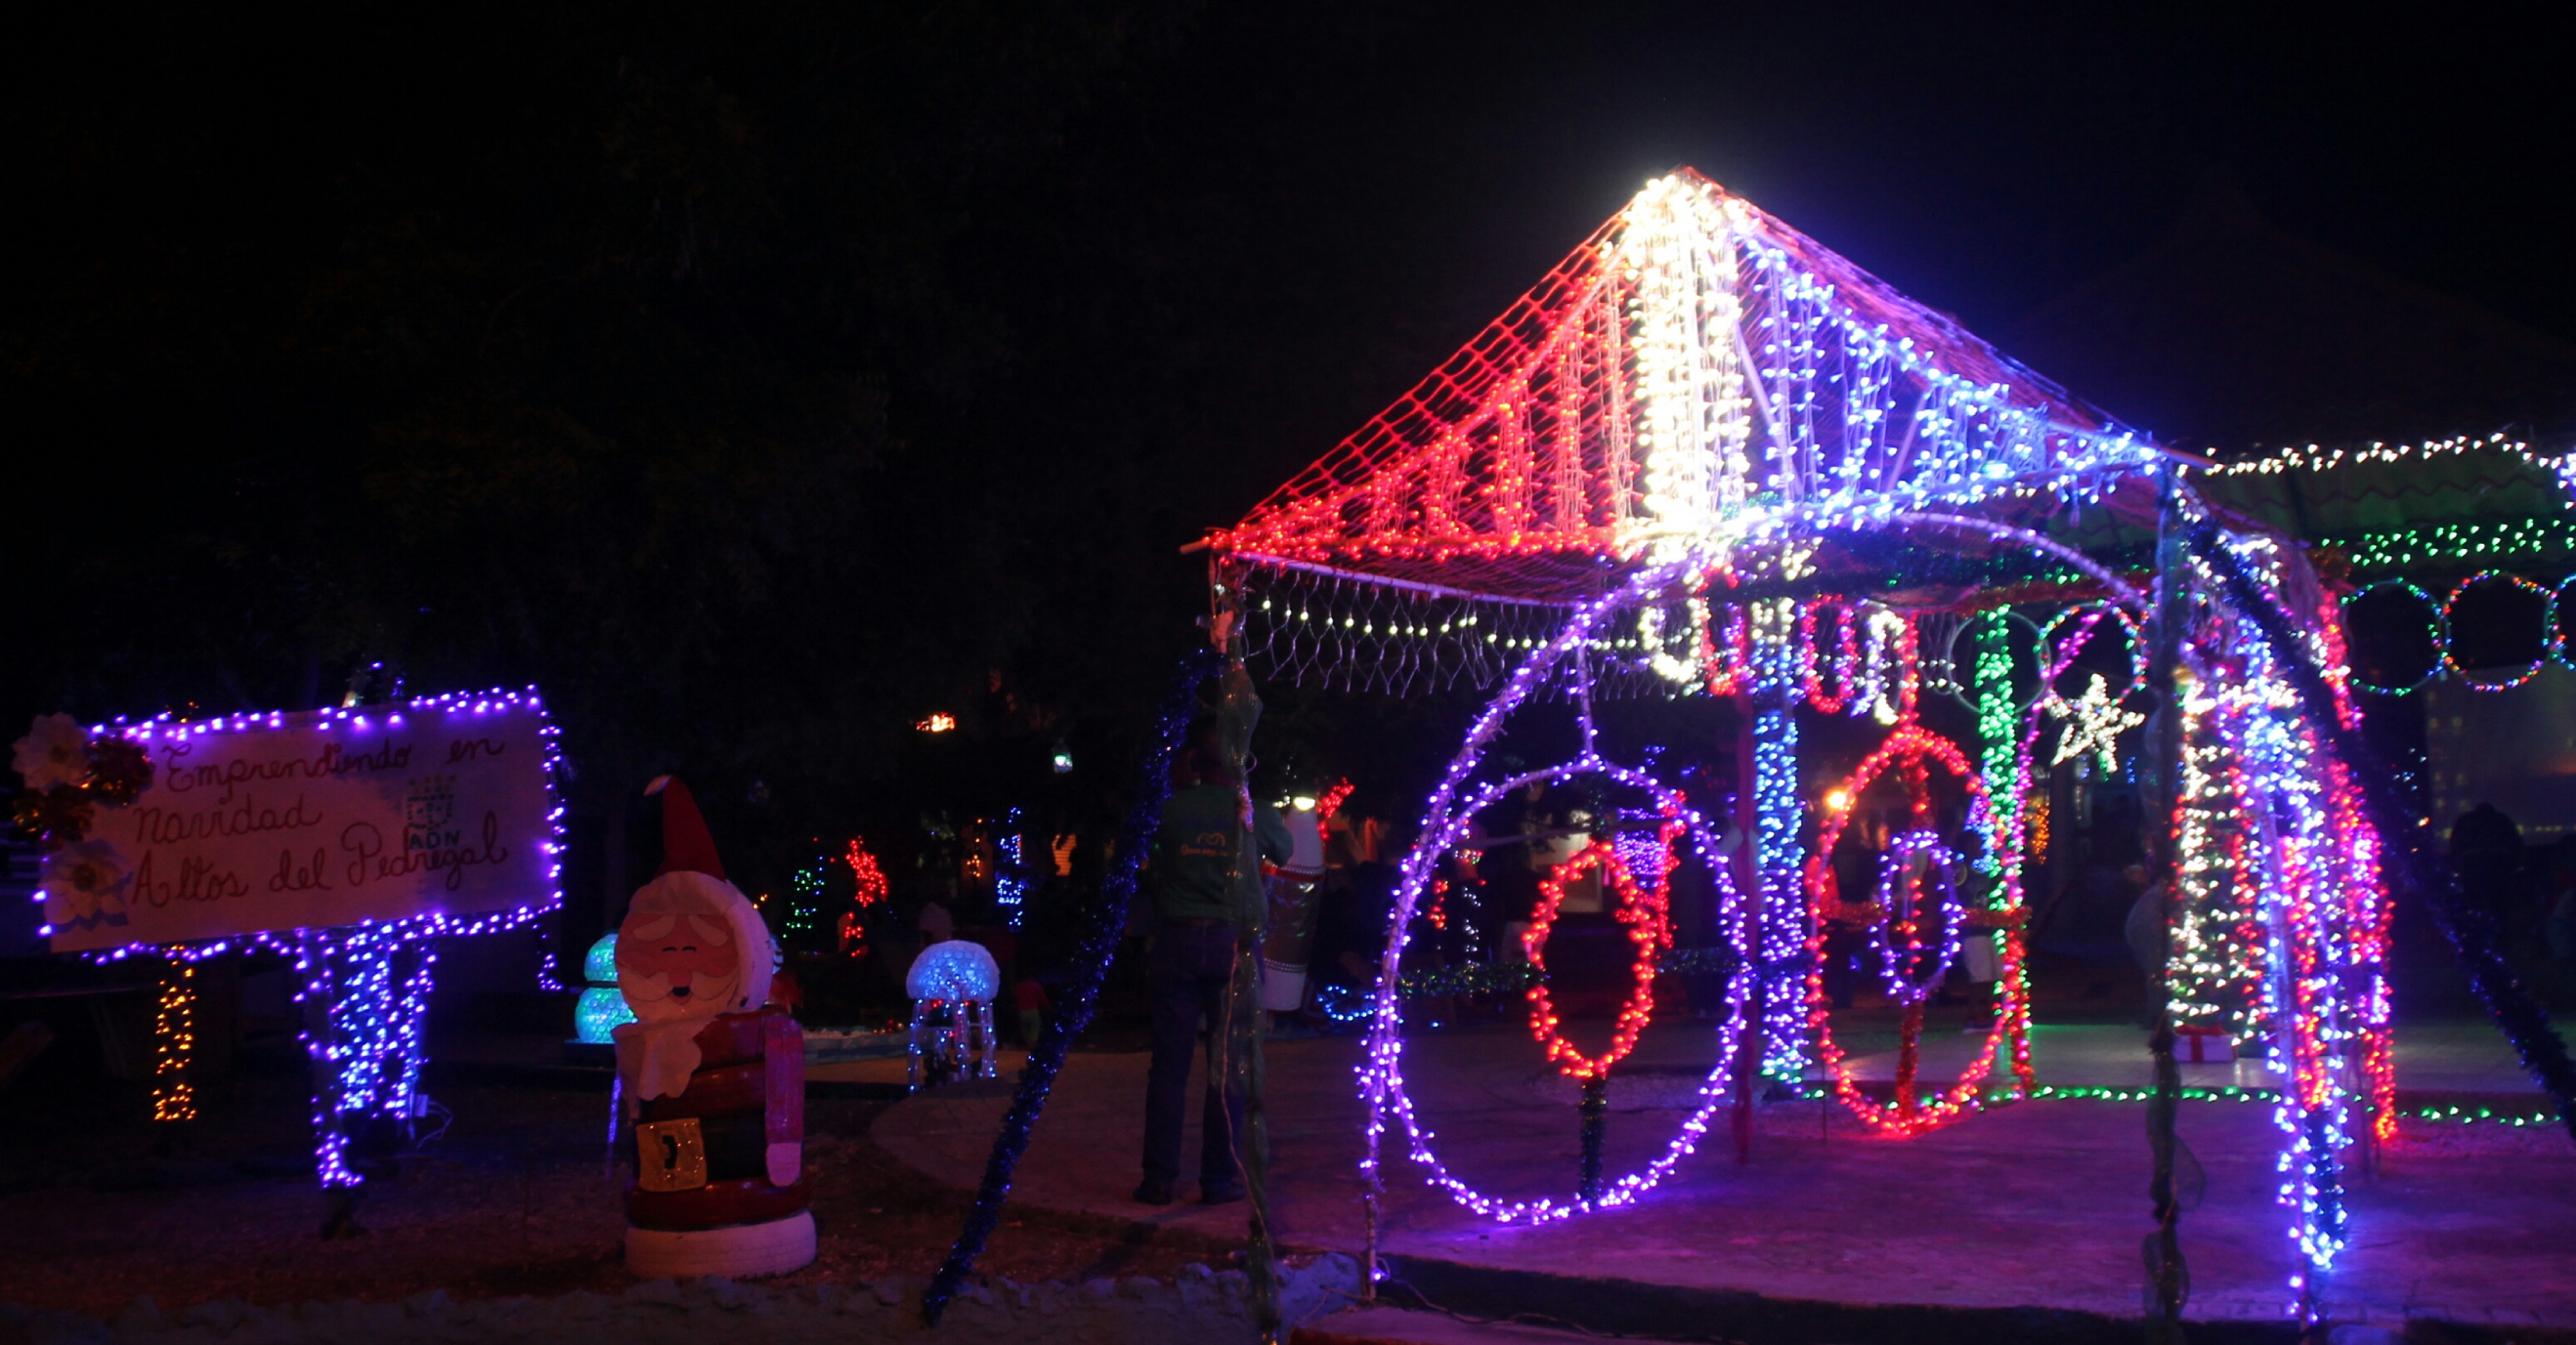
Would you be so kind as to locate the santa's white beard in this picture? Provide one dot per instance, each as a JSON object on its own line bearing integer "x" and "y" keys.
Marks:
{"x": 658, "y": 1052}
{"x": 653, "y": 1000}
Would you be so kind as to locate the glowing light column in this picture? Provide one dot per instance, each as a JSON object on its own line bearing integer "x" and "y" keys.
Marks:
{"x": 1773, "y": 686}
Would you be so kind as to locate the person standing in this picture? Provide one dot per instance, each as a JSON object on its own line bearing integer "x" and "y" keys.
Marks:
{"x": 2486, "y": 849}
{"x": 1209, "y": 908}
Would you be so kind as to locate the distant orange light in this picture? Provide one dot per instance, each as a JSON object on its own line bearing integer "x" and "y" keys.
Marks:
{"x": 1837, "y": 799}
{"x": 937, "y": 724}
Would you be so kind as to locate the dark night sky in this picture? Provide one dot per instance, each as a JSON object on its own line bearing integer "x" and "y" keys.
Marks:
{"x": 738, "y": 370}
{"x": 1986, "y": 160}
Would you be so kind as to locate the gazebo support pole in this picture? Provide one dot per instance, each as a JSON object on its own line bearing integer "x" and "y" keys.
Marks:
{"x": 2164, "y": 1325}
{"x": 1749, "y": 895}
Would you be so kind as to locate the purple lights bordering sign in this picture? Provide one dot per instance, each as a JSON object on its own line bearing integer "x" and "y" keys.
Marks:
{"x": 269, "y": 823}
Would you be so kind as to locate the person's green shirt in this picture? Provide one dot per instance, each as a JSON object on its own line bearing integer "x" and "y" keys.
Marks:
{"x": 1207, "y": 864}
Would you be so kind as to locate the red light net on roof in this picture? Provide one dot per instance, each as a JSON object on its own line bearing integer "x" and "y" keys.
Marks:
{"x": 1695, "y": 369}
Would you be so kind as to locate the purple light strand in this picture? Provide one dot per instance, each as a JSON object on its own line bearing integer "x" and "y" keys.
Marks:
{"x": 372, "y": 1049}
{"x": 1381, "y": 1072}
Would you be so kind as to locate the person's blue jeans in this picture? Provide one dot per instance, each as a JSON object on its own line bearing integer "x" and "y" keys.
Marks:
{"x": 1188, "y": 975}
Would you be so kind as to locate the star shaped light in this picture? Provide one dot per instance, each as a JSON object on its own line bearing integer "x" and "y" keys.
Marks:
{"x": 2094, "y": 723}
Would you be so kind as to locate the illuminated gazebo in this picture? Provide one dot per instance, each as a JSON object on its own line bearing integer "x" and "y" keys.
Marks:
{"x": 1707, "y": 457}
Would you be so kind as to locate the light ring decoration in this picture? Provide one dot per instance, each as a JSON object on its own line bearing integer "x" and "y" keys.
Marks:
{"x": 2548, "y": 613}
{"x": 1649, "y": 919}
{"x": 1445, "y": 823}
{"x": 1381, "y": 1075}
{"x": 1908, "y": 747}
{"x": 1900, "y": 877}
{"x": 2435, "y": 621}
{"x": 2055, "y": 661}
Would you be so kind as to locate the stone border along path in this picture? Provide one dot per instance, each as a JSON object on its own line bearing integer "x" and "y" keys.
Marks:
{"x": 1202, "y": 1305}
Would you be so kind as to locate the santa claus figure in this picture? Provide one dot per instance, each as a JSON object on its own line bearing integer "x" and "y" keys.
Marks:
{"x": 711, "y": 1073}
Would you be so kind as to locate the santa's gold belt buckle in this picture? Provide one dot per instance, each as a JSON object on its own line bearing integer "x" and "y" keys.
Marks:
{"x": 670, "y": 1155}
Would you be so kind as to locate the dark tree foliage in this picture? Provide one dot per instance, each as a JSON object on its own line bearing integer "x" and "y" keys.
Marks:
{"x": 754, "y": 378}
{"x": 614, "y": 348}
{"x": 760, "y": 377}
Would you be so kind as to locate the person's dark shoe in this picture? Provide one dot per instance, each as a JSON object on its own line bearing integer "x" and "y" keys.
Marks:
{"x": 1220, "y": 1193}
{"x": 1152, "y": 1192}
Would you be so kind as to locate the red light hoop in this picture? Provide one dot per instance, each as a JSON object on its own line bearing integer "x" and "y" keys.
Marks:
{"x": 1649, "y": 923}
{"x": 1909, "y": 748}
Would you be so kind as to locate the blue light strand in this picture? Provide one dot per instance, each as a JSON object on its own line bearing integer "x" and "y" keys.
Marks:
{"x": 1778, "y": 859}
{"x": 1011, "y": 876}
{"x": 1105, "y": 921}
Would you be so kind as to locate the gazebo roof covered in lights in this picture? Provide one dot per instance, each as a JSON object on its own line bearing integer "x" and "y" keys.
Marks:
{"x": 1695, "y": 372}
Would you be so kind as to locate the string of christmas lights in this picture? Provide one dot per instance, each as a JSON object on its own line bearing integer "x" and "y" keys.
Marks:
{"x": 2315, "y": 459}
{"x": 2468, "y": 1114}
{"x": 1453, "y": 807}
{"x": 868, "y": 892}
{"x": 174, "y": 1044}
{"x": 1910, "y": 750}
{"x": 1644, "y": 911}
{"x": 1100, "y": 932}
{"x": 2453, "y": 543}
{"x": 370, "y": 1047}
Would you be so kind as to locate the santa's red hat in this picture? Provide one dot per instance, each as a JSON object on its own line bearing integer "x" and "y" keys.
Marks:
{"x": 689, "y": 864}
{"x": 687, "y": 846}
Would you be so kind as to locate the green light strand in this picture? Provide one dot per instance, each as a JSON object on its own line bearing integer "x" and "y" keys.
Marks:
{"x": 1997, "y": 716}
{"x": 2451, "y": 543}
{"x": 2469, "y": 1115}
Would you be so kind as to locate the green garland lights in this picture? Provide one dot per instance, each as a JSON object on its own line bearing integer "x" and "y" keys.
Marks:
{"x": 2437, "y": 629}
{"x": 2456, "y": 543}
{"x": 2466, "y": 1115}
